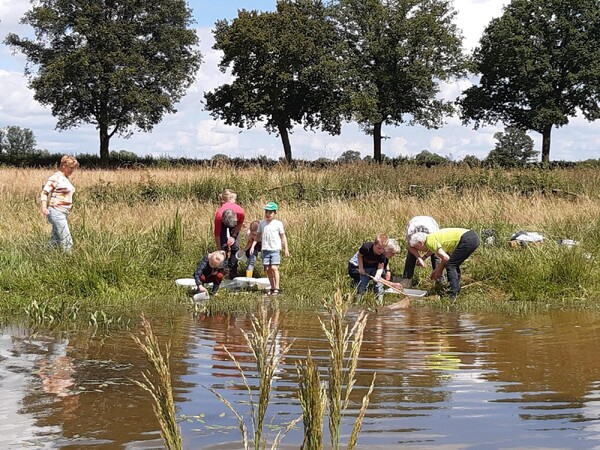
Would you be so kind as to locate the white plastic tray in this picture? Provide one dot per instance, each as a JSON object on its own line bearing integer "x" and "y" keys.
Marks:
{"x": 186, "y": 282}
{"x": 408, "y": 292}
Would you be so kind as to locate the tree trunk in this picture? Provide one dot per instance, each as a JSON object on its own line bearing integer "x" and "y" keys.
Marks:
{"x": 377, "y": 142}
{"x": 285, "y": 139}
{"x": 546, "y": 144}
{"x": 104, "y": 148}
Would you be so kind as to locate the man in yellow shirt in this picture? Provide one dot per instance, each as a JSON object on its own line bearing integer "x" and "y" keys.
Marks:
{"x": 453, "y": 246}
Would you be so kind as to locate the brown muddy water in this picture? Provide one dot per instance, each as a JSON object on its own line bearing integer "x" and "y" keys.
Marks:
{"x": 444, "y": 380}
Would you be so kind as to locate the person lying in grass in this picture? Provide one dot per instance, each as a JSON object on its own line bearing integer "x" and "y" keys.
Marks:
{"x": 210, "y": 270}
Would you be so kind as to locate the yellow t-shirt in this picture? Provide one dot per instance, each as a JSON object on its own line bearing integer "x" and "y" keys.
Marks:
{"x": 446, "y": 238}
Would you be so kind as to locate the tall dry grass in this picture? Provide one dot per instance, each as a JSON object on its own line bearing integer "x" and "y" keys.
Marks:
{"x": 127, "y": 224}
{"x": 159, "y": 385}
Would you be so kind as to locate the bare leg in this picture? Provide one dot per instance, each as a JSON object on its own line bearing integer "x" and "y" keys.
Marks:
{"x": 270, "y": 276}
{"x": 275, "y": 282}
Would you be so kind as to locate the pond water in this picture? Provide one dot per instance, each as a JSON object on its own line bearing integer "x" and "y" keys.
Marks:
{"x": 444, "y": 380}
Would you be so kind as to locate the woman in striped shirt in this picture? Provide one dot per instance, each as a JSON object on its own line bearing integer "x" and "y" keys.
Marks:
{"x": 56, "y": 202}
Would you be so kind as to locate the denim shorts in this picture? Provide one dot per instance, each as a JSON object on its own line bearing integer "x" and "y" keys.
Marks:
{"x": 271, "y": 257}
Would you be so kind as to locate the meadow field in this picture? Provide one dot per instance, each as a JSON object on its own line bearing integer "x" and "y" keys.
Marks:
{"x": 137, "y": 230}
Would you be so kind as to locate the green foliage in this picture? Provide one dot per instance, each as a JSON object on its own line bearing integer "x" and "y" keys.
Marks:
{"x": 174, "y": 235}
{"x": 123, "y": 156}
{"x": 16, "y": 140}
{"x": 106, "y": 282}
{"x": 538, "y": 67}
{"x": 513, "y": 149}
{"x": 117, "y": 65}
{"x": 426, "y": 158}
{"x": 115, "y": 273}
{"x": 471, "y": 161}
{"x": 349, "y": 156}
{"x": 285, "y": 69}
{"x": 396, "y": 53}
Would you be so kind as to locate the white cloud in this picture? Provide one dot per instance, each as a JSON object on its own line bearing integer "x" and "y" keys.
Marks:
{"x": 437, "y": 143}
{"x": 17, "y": 106}
{"x": 192, "y": 132}
{"x": 473, "y": 16}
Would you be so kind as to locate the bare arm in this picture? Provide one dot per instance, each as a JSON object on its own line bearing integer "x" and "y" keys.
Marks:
{"x": 444, "y": 257}
{"x": 250, "y": 243}
{"x": 379, "y": 271}
{"x": 361, "y": 269}
{"x": 284, "y": 243}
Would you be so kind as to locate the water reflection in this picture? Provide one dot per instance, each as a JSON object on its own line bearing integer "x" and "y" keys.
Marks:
{"x": 443, "y": 379}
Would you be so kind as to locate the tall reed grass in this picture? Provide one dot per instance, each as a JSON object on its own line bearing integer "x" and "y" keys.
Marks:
{"x": 343, "y": 368}
{"x": 158, "y": 384}
{"x": 263, "y": 344}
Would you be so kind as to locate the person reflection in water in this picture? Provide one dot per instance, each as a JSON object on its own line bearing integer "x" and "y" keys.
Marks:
{"x": 56, "y": 371}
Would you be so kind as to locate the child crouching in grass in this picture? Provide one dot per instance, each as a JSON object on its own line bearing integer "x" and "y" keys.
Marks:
{"x": 368, "y": 263}
{"x": 273, "y": 240}
{"x": 210, "y": 270}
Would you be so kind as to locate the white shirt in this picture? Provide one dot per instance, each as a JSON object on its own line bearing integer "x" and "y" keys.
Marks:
{"x": 424, "y": 224}
{"x": 271, "y": 234}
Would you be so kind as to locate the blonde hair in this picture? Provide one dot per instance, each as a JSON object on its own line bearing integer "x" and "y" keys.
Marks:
{"x": 227, "y": 196}
{"x": 381, "y": 239}
{"x": 69, "y": 161}
{"x": 254, "y": 225}
{"x": 216, "y": 257}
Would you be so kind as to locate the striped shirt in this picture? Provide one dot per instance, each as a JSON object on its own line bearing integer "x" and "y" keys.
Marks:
{"x": 60, "y": 190}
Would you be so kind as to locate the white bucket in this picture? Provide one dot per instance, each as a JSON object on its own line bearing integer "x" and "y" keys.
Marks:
{"x": 241, "y": 256}
{"x": 201, "y": 296}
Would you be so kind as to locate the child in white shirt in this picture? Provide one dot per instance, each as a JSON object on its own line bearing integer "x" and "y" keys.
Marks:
{"x": 273, "y": 240}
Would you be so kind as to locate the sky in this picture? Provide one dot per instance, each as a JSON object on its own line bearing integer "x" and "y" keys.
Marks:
{"x": 192, "y": 132}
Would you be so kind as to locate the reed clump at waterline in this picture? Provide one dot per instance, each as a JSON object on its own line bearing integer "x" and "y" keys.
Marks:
{"x": 136, "y": 231}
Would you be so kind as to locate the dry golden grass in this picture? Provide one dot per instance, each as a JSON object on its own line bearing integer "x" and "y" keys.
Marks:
{"x": 122, "y": 219}
{"x": 382, "y": 211}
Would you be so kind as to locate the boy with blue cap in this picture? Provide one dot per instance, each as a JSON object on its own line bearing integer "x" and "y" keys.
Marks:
{"x": 273, "y": 240}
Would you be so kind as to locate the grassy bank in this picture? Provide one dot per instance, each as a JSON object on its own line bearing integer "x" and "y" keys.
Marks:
{"x": 136, "y": 231}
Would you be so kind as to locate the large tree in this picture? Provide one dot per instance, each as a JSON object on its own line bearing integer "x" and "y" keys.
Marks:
{"x": 539, "y": 66}
{"x": 117, "y": 64}
{"x": 397, "y": 52}
{"x": 17, "y": 141}
{"x": 513, "y": 149}
{"x": 285, "y": 70}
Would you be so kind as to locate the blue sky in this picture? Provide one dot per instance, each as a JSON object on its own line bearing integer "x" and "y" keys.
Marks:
{"x": 191, "y": 132}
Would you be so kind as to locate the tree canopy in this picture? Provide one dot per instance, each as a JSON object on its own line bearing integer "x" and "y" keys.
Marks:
{"x": 513, "y": 149}
{"x": 539, "y": 66}
{"x": 285, "y": 70}
{"x": 117, "y": 64}
{"x": 17, "y": 141}
{"x": 396, "y": 54}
